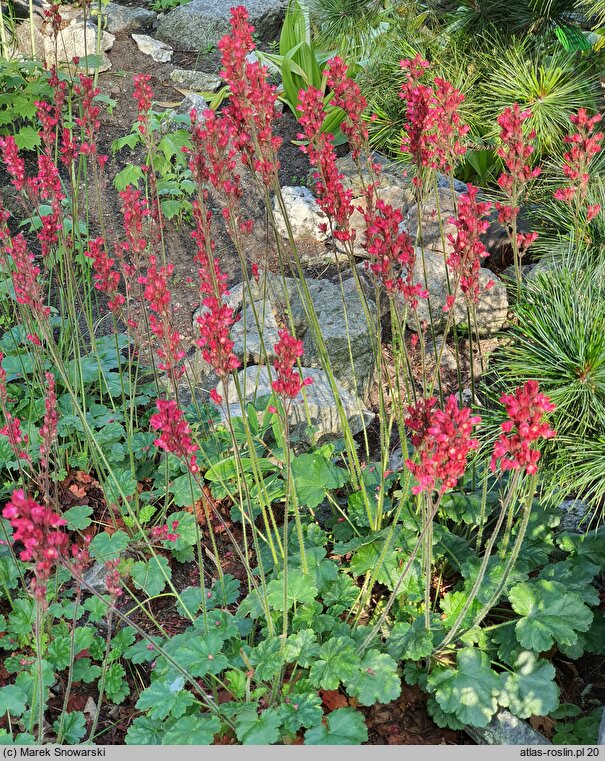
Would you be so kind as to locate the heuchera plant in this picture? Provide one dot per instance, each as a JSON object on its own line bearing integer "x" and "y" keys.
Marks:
{"x": 442, "y": 571}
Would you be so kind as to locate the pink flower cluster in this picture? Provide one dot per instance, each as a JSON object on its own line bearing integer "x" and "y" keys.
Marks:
{"x": 143, "y": 95}
{"x": 515, "y": 148}
{"x": 467, "y": 248}
{"x": 251, "y": 106}
{"x": 106, "y": 278}
{"x": 165, "y": 533}
{"x": 175, "y": 434}
{"x": 332, "y": 197}
{"x": 39, "y": 529}
{"x": 585, "y": 144}
{"x": 443, "y": 440}
{"x": 48, "y": 429}
{"x": 347, "y": 95}
{"x": 289, "y": 382}
{"x": 392, "y": 255}
{"x": 525, "y": 409}
{"x": 434, "y": 130}
{"x": 170, "y": 348}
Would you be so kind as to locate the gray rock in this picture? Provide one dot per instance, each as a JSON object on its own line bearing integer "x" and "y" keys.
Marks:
{"x": 348, "y": 332}
{"x": 443, "y": 181}
{"x": 78, "y": 40}
{"x": 158, "y": 50}
{"x": 491, "y": 311}
{"x": 199, "y": 81}
{"x": 391, "y": 174}
{"x": 190, "y": 102}
{"x": 304, "y": 215}
{"x": 125, "y": 19}
{"x": 200, "y": 24}
{"x": 444, "y": 353}
{"x": 251, "y": 344}
{"x": 506, "y": 729}
{"x": 95, "y": 577}
{"x": 575, "y": 518}
{"x": 601, "y": 735}
{"x": 255, "y": 382}
{"x": 436, "y": 210}
{"x": 354, "y": 370}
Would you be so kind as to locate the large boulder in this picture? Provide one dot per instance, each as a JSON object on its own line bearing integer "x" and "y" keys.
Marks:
{"x": 303, "y": 213}
{"x": 316, "y": 401}
{"x": 491, "y": 311}
{"x": 348, "y": 323}
{"x": 121, "y": 18}
{"x": 200, "y": 24}
{"x": 78, "y": 40}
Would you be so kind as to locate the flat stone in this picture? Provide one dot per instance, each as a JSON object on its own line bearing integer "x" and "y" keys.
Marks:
{"x": 491, "y": 311}
{"x": 303, "y": 213}
{"x": 199, "y": 81}
{"x": 506, "y": 729}
{"x": 255, "y": 382}
{"x": 125, "y": 19}
{"x": 158, "y": 50}
{"x": 200, "y": 24}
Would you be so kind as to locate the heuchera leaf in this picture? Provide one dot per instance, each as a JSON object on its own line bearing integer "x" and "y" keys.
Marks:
{"x": 470, "y": 690}
{"x": 550, "y": 613}
{"x": 377, "y": 680}
{"x": 337, "y": 662}
{"x": 192, "y": 730}
{"x": 252, "y": 728}
{"x": 345, "y": 726}
{"x": 531, "y": 689}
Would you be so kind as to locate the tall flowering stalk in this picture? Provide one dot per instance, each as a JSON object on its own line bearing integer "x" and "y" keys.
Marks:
{"x": 157, "y": 293}
{"x": 332, "y": 197}
{"x": 584, "y": 144}
{"x": 288, "y": 386}
{"x": 252, "y": 100}
{"x": 174, "y": 433}
{"x": 515, "y": 150}
{"x": 467, "y": 249}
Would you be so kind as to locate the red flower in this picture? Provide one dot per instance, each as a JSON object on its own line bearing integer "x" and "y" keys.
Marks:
{"x": 443, "y": 442}
{"x": 39, "y": 530}
{"x": 175, "y": 434}
{"x": 525, "y": 409}
{"x": 251, "y": 106}
{"x": 347, "y": 95}
{"x": 467, "y": 248}
{"x": 143, "y": 95}
{"x": 48, "y": 430}
{"x": 106, "y": 279}
{"x": 288, "y": 349}
{"x": 392, "y": 255}
{"x": 157, "y": 293}
{"x": 332, "y": 197}
{"x": 585, "y": 145}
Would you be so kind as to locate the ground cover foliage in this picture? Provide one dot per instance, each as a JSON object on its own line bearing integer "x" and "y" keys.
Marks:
{"x": 188, "y": 564}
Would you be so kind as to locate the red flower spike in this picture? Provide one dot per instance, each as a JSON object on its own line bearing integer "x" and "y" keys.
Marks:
{"x": 525, "y": 409}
